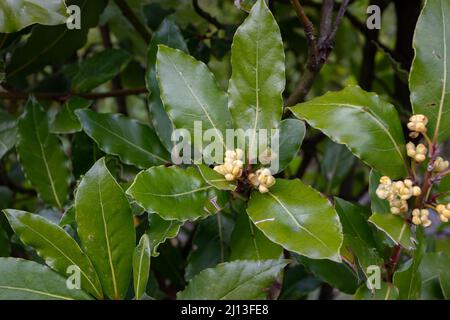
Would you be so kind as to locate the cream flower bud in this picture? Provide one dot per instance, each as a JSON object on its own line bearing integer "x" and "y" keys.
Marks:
{"x": 239, "y": 154}
{"x": 229, "y": 177}
{"x": 418, "y": 123}
{"x": 416, "y": 191}
{"x": 263, "y": 189}
{"x": 440, "y": 165}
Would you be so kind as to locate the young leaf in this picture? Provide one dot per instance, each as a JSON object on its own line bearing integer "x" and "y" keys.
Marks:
{"x": 42, "y": 156}
{"x": 298, "y": 218}
{"x": 19, "y": 14}
{"x": 395, "y": 227}
{"x": 430, "y": 73}
{"x": 159, "y": 230}
{"x": 364, "y": 123}
{"x": 170, "y": 35}
{"x": 173, "y": 193}
{"x": 216, "y": 179}
{"x": 28, "y": 280}
{"x": 258, "y": 73}
{"x": 247, "y": 280}
{"x": 54, "y": 45}
{"x": 99, "y": 69}
{"x": 133, "y": 142}
{"x": 141, "y": 266}
{"x": 55, "y": 246}
{"x": 8, "y": 132}
{"x": 105, "y": 228}
{"x": 66, "y": 121}
{"x": 249, "y": 243}
{"x": 190, "y": 93}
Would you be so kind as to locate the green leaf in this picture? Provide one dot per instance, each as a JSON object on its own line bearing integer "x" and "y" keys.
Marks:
{"x": 135, "y": 143}
{"x": 19, "y": 14}
{"x": 42, "y": 156}
{"x": 338, "y": 275}
{"x": 68, "y": 218}
{"x": 66, "y": 121}
{"x": 105, "y": 228}
{"x": 408, "y": 280}
{"x": 292, "y": 133}
{"x": 190, "y": 93}
{"x": 173, "y": 193}
{"x": 369, "y": 126}
{"x": 8, "y": 132}
{"x": 141, "y": 266}
{"x": 430, "y": 73}
{"x": 395, "y": 227}
{"x": 249, "y": 243}
{"x": 432, "y": 266}
{"x": 444, "y": 187}
{"x": 239, "y": 280}
{"x": 444, "y": 279}
{"x": 298, "y": 218}
{"x": 55, "y": 246}
{"x": 54, "y": 44}
{"x": 216, "y": 179}
{"x": 159, "y": 230}
{"x": 258, "y": 73}
{"x": 168, "y": 34}
{"x": 387, "y": 292}
{"x": 28, "y": 280}
{"x": 99, "y": 69}
{"x": 336, "y": 165}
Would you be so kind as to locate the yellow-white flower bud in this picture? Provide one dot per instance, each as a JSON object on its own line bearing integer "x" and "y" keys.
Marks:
{"x": 440, "y": 165}
{"x": 420, "y": 217}
{"x": 419, "y": 153}
{"x": 418, "y": 123}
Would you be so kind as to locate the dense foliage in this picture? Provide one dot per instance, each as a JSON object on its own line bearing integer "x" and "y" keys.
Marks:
{"x": 119, "y": 180}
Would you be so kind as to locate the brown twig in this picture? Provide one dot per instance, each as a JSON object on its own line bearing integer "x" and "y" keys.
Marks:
{"x": 205, "y": 15}
{"x": 58, "y": 96}
{"x": 134, "y": 20}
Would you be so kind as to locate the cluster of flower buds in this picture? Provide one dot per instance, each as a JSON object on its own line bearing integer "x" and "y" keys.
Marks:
{"x": 419, "y": 153}
{"x": 417, "y": 124}
{"x": 443, "y": 212}
{"x": 262, "y": 179}
{"x": 233, "y": 166}
{"x": 440, "y": 165}
{"x": 397, "y": 193}
{"x": 420, "y": 217}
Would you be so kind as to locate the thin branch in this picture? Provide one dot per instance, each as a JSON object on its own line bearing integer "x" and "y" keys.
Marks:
{"x": 58, "y": 96}
{"x": 309, "y": 30}
{"x": 134, "y": 20}
{"x": 205, "y": 15}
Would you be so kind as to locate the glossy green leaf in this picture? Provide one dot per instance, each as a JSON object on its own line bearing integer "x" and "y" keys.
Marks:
{"x": 99, "y": 69}
{"x": 105, "y": 228}
{"x": 55, "y": 246}
{"x": 135, "y": 143}
{"x": 68, "y": 218}
{"x": 190, "y": 93}
{"x": 258, "y": 73}
{"x": 369, "y": 126}
{"x": 247, "y": 280}
{"x": 298, "y": 218}
{"x": 336, "y": 165}
{"x": 159, "y": 230}
{"x": 249, "y": 243}
{"x": 170, "y": 35}
{"x": 292, "y": 133}
{"x": 8, "y": 132}
{"x": 432, "y": 266}
{"x": 28, "y": 280}
{"x": 444, "y": 279}
{"x": 173, "y": 193}
{"x": 216, "y": 179}
{"x": 18, "y": 14}
{"x": 42, "y": 156}
{"x": 141, "y": 266}
{"x": 339, "y": 275}
{"x": 66, "y": 121}
{"x": 430, "y": 74}
{"x": 395, "y": 227}
{"x": 54, "y": 44}
{"x": 387, "y": 292}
